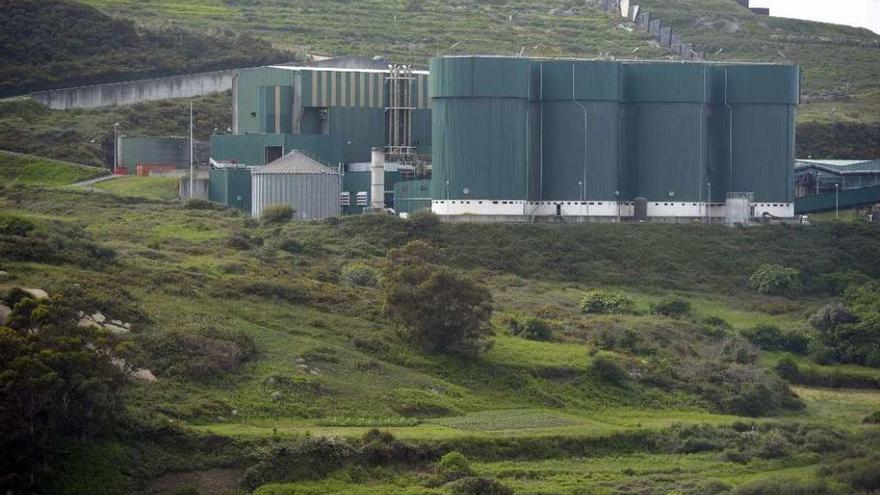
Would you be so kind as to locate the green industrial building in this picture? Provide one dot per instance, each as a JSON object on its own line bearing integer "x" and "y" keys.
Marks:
{"x": 520, "y": 138}
{"x": 336, "y": 116}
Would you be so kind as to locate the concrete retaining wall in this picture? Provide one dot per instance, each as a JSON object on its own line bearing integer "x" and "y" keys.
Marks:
{"x": 126, "y": 93}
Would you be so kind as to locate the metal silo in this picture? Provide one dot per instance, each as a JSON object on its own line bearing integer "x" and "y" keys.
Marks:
{"x": 480, "y": 135}
{"x": 759, "y": 104}
{"x": 580, "y": 103}
{"x": 300, "y": 181}
{"x": 667, "y": 138}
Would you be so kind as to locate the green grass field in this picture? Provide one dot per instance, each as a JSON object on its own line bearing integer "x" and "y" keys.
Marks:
{"x": 533, "y": 415}
{"x": 36, "y": 171}
{"x": 164, "y": 188}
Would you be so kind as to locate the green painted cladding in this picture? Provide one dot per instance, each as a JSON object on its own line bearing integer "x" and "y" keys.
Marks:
{"x": 232, "y": 187}
{"x": 362, "y": 128}
{"x": 250, "y": 149}
{"x": 480, "y": 114}
{"x": 134, "y": 151}
{"x": 412, "y": 195}
{"x": 662, "y": 130}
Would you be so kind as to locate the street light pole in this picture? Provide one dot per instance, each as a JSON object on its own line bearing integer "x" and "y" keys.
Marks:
{"x": 836, "y": 202}
{"x": 115, "y": 147}
{"x": 192, "y": 179}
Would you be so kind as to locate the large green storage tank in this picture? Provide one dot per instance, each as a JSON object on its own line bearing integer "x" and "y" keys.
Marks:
{"x": 667, "y": 134}
{"x": 480, "y": 113}
{"x": 580, "y": 129}
{"x": 759, "y": 104}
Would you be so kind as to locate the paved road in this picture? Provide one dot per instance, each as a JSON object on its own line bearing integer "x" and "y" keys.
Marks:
{"x": 90, "y": 184}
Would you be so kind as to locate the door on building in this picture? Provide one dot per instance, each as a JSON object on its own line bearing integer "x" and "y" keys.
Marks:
{"x": 273, "y": 153}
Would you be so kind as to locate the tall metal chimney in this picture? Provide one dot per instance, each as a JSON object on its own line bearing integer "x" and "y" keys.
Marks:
{"x": 377, "y": 182}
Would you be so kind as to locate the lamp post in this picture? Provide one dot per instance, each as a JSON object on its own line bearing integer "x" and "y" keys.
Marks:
{"x": 617, "y": 196}
{"x": 837, "y": 201}
{"x": 116, "y": 146}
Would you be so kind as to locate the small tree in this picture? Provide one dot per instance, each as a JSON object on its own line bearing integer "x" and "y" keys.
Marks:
{"x": 601, "y": 301}
{"x": 438, "y": 310}
{"x": 360, "y": 275}
{"x": 775, "y": 280}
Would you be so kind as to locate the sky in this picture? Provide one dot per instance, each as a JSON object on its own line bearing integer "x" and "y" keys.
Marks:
{"x": 861, "y": 13}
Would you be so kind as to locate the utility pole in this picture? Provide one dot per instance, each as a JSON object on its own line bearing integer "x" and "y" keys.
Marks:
{"x": 837, "y": 201}
{"x": 115, "y": 147}
{"x": 192, "y": 179}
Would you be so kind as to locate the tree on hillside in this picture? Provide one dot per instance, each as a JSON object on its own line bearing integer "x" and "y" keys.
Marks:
{"x": 437, "y": 309}
{"x": 57, "y": 380}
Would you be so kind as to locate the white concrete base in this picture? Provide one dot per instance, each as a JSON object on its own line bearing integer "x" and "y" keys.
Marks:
{"x": 508, "y": 210}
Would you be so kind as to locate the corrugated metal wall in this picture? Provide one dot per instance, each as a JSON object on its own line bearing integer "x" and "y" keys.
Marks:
{"x": 313, "y": 196}
{"x": 135, "y": 151}
{"x": 232, "y": 187}
{"x": 660, "y": 130}
{"x": 412, "y": 195}
{"x": 580, "y": 128}
{"x": 250, "y": 149}
{"x": 480, "y": 128}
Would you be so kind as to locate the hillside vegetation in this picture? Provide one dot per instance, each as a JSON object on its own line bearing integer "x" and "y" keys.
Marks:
{"x": 60, "y": 43}
{"x": 623, "y": 358}
{"x": 36, "y": 171}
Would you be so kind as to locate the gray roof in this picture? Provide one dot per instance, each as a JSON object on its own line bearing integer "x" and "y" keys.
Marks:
{"x": 841, "y": 166}
{"x": 295, "y": 162}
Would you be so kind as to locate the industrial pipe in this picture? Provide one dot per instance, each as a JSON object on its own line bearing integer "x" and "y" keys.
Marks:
{"x": 377, "y": 182}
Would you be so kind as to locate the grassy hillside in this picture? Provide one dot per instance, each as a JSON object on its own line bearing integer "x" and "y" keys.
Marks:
{"x": 262, "y": 345}
{"x": 86, "y": 136}
{"x": 36, "y": 171}
{"x": 59, "y": 43}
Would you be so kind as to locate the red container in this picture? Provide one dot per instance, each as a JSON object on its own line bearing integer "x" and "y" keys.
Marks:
{"x": 144, "y": 170}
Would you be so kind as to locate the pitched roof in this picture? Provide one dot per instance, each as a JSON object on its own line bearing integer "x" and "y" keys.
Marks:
{"x": 841, "y": 166}
{"x": 295, "y": 162}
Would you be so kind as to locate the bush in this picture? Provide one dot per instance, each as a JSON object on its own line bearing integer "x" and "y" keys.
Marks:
{"x": 422, "y": 221}
{"x": 308, "y": 459}
{"x": 360, "y": 275}
{"x": 421, "y": 403}
{"x": 531, "y": 329}
{"x": 608, "y": 369}
{"x": 788, "y": 369}
{"x": 479, "y": 486}
{"x": 291, "y": 246}
{"x": 277, "y": 214}
{"x": 202, "y": 204}
{"x": 872, "y": 419}
{"x": 453, "y": 466}
{"x": 243, "y": 241}
{"x": 775, "y": 280}
{"x": 771, "y": 338}
{"x": 831, "y": 315}
{"x": 201, "y": 355}
{"x": 597, "y": 301}
{"x": 438, "y": 310}
{"x": 674, "y": 307}
{"x": 785, "y": 487}
{"x": 714, "y": 326}
{"x": 11, "y": 225}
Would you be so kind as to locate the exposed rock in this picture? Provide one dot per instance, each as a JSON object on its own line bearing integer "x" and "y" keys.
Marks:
{"x": 5, "y": 311}
{"x": 115, "y": 328}
{"x": 99, "y": 317}
{"x": 86, "y": 322}
{"x": 144, "y": 374}
{"x": 276, "y": 395}
{"x": 116, "y": 322}
{"x": 37, "y": 293}
{"x": 4, "y": 275}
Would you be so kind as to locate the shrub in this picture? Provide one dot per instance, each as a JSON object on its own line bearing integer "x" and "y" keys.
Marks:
{"x": 454, "y": 465}
{"x": 531, "y": 329}
{"x": 608, "y": 369}
{"x": 674, "y": 307}
{"x": 423, "y": 221}
{"x": 421, "y": 403}
{"x": 771, "y": 338}
{"x": 277, "y": 214}
{"x": 788, "y": 369}
{"x": 714, "y": 326}
{"x": 855, "y": 342}
{"x": 202, "y": 204}
{"x": 360, "y": 275}
{"x": 479, "y": 486}
{"x": 201, "y": 355}
{"x": 597, "y": 301}
{"x": 872, "y": 419}
{"x": 438, "y": 310}
{"x": 785, "y": 487}
{"x": 11, "y": 225}
{"x": 243, "y": 241}
{"x": 291, "y": 246}
{"x": 775, "y": 280}
{"x": 308, "y": 459}
{"x": 831, "y": 315}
